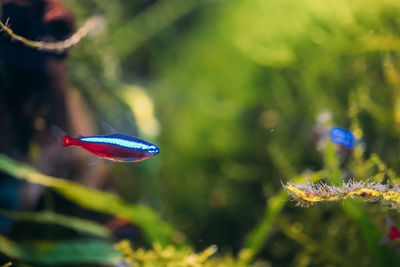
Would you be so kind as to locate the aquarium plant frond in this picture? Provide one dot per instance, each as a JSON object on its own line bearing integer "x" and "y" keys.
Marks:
{"x": 154, "y": 229}
{"x": 308, "y": 193}
{"x": 92, "y": 24}
{"x": 45, "y": 253}
{"x": 49, "y": 217}
{"x": 168, "y": 256}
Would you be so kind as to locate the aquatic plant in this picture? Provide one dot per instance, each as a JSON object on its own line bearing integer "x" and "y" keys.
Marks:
{"x": 91, "y": 25}
{"x": 154, "y": 228}
{"x": 310, "y": 193}
{"x": 99, "y": 251}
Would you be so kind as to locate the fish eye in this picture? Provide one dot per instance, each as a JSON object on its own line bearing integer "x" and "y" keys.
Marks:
{"x": 153, "y": 150}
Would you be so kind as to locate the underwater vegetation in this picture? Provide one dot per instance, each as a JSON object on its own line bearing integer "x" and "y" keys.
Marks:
{"x": 278, "y": 121}
{"x": 308, "y": 193}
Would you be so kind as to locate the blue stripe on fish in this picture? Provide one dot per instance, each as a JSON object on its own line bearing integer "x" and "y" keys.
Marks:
{"x": 117, "y": 141}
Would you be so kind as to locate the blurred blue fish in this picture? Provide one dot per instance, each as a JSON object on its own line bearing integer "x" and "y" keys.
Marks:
{"x": 343, "y": 137}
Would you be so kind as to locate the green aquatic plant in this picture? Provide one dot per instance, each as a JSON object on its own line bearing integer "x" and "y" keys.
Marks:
{"x": 173, "y": 256}
{"x": 49, "y": 217}
{"x": 159, "y": 256}
{"x": 153, "y": 227}
{"x": 68, "y": 252}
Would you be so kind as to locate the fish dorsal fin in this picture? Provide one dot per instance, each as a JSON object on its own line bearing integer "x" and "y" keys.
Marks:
{"x": 107, "y": 129}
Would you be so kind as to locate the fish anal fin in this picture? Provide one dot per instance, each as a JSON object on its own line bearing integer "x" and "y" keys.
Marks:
{"x": 108, "y": 161}
{"x": 107, "y": 129}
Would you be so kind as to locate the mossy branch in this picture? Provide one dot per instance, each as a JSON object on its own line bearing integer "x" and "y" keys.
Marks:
{"x": 92, "y": 24}
{"x": 308, "y": 193}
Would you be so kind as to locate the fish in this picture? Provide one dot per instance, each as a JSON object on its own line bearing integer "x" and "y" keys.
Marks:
{"x": 393, "y": 232}
{"x": 122, "y": 228}
{"x": 343, "y": 137}
{"x": 114, "y": 146}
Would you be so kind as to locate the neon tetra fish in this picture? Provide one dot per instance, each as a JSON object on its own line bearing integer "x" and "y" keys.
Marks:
{"x": 114, "y": 146}
{"x": 343, "y": 137}
{"x": 393, "y": 232}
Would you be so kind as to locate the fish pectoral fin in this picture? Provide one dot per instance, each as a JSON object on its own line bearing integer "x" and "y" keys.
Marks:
{"x": 107, "y": 129}
{"x": 94, "y": 160}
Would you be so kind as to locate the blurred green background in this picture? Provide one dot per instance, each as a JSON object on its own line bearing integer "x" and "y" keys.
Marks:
{"x": 237, "y": 94}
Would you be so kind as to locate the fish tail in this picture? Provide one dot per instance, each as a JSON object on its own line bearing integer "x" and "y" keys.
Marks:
{"x": 61, "y": 136}
{"x": 68, "y": 141}
{"x": 385, "y": 238}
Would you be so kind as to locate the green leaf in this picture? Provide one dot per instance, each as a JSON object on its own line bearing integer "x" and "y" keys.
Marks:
{"x": 257, "y": 238}
{"x": 90, "y": 251}
{"x": 369, "y": 232}
{"x": 153, "y": 227}
{"x": 77, "y": 224}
